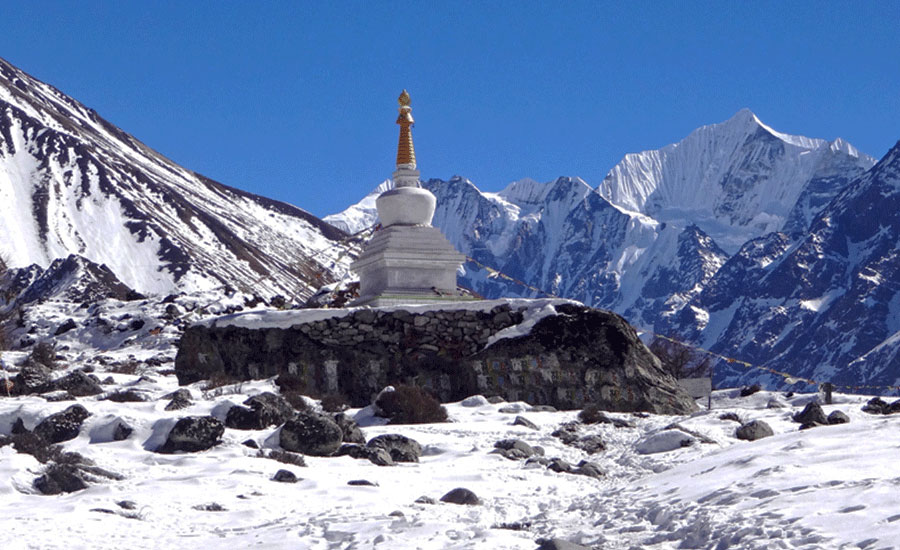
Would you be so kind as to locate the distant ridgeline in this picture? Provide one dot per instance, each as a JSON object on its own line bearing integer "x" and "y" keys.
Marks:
{"x": 545, "y": 352}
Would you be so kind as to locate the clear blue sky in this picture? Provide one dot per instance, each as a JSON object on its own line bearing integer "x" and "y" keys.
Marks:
{"x": 297, "y": 100}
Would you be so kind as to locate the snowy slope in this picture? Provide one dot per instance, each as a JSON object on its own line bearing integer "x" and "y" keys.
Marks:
{"x": 72, "y": 183}
{"x": 736, "y": 180}
{"x": 796, "y": 489}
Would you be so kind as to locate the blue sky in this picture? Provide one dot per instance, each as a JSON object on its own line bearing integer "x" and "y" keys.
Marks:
{"x": 297, "y": 100}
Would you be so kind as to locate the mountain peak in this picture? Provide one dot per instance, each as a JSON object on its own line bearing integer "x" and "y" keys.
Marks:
{"x": 736, "y": 180}
{"x": 744, "y": 117}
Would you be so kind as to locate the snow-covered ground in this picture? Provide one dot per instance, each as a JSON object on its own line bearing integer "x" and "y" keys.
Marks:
{"x": 825, "y": 487}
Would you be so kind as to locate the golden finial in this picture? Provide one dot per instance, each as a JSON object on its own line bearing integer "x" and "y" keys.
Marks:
{"x": 406, "y": 154}
{"x": 403, "y": 100}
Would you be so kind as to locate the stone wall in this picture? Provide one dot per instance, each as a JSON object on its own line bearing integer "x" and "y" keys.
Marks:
{"x": 577, "y": 356}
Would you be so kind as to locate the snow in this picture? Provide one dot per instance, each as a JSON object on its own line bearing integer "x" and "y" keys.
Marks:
{"x": 822, "y": 303}
{"x": 289, "y": 318}
{"x": 791, "y": 490}
{"x": 818, "y": 488}
{"x": 705, "y": 180}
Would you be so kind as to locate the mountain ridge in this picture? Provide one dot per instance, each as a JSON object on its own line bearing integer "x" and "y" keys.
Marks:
{"x": 73, "y": 183}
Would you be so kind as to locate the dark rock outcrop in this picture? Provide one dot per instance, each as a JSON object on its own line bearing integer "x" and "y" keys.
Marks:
{"x": 877, "y": 405}
{"x": 179, "y": 399}
{"x": 812, "y": 414}
{"x": 578, "y": 356}
{"x": 569, "y": 433}
{"x": 400, "y": 447}
{"x": 376, "y": 455}
{"x": 62, "y": 426}
{"x": 32, "y": 378}
{"x": 753, "y": 430}
{"x": 60, "y": 478}
{"x": 522, "y": 421}
{"x": 461, "y": 495}
{"x": 838, "y": 417}
{"x": 311, "y": 434}
{"x": 77, "y": 383}
{"x": 351, "y": 431}
{"x": 285, "y": 476}
{"x": 192, "y": 434}
{"x": 263, "y": 410}
{"x": 514, "y": 449}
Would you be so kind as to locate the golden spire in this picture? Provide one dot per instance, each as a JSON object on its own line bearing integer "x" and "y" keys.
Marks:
{"x": 406, "y": 153}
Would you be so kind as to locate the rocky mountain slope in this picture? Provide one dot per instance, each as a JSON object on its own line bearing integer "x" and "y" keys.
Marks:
{"x": 72, "y": 183}
{"x": 828, "y": 305}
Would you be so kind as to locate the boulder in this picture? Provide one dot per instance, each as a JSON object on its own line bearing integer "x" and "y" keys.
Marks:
{"x": 560, "y": 466}
{"x": 311, "y": 434}
{"x": 753, "y": 430}
{"x": 65, "y": 327}
{"x": 664, "y": 441}
{"x": 130, "y": 395}
{"x": 401, "y": 448}
{"x": 461, "y": 495}
{"x": 589, "y": 469}
{"x": 60, "y": 478}
{"x": 263, "y": 410}
{"x": 475, "y": 401}
{"x": 350, "y": 429}
{"x": 838, "y": 417}
{"x": 285, "y": 476}
{"x": 811, "y": 414}
{"x": 122, "y": 431}
{"x": 877, "y": 405}
{"x": 78, "y": 384}
{"x": 192, "y": 434}
{"x": 32, "y": 378}
{"x": 568, "y": 433}
{"x": 522, "y": 421}
{"x": 732, "y": 416}
{"x": 376, "y": 455}
{"x": 592, "y": 415}
{"x": 513, "y": 449}
{"x": 179, "y": 399}
{"x": 538, "y": 460}
{"x": 747, "y": 391}
{"x": 62, "y": 426}
{"x": 361, "y": 483}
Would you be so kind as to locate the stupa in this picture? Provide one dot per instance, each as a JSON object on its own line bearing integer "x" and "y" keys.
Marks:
{"x": 407, "y": 261}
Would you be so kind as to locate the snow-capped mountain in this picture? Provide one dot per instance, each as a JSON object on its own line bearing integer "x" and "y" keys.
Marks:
{"x": 736, "y": 180}
{"x": 72, "y": 183}
{"x": 826, "y": 307}
{"x": 562, "y": 238}
{"x": 701, "y": 222}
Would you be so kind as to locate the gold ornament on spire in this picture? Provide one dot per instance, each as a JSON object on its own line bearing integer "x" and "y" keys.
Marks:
{"x": 406, "y": 153}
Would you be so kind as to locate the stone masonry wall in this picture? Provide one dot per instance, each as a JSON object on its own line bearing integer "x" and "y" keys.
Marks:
{"x": 578, "y": 356}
